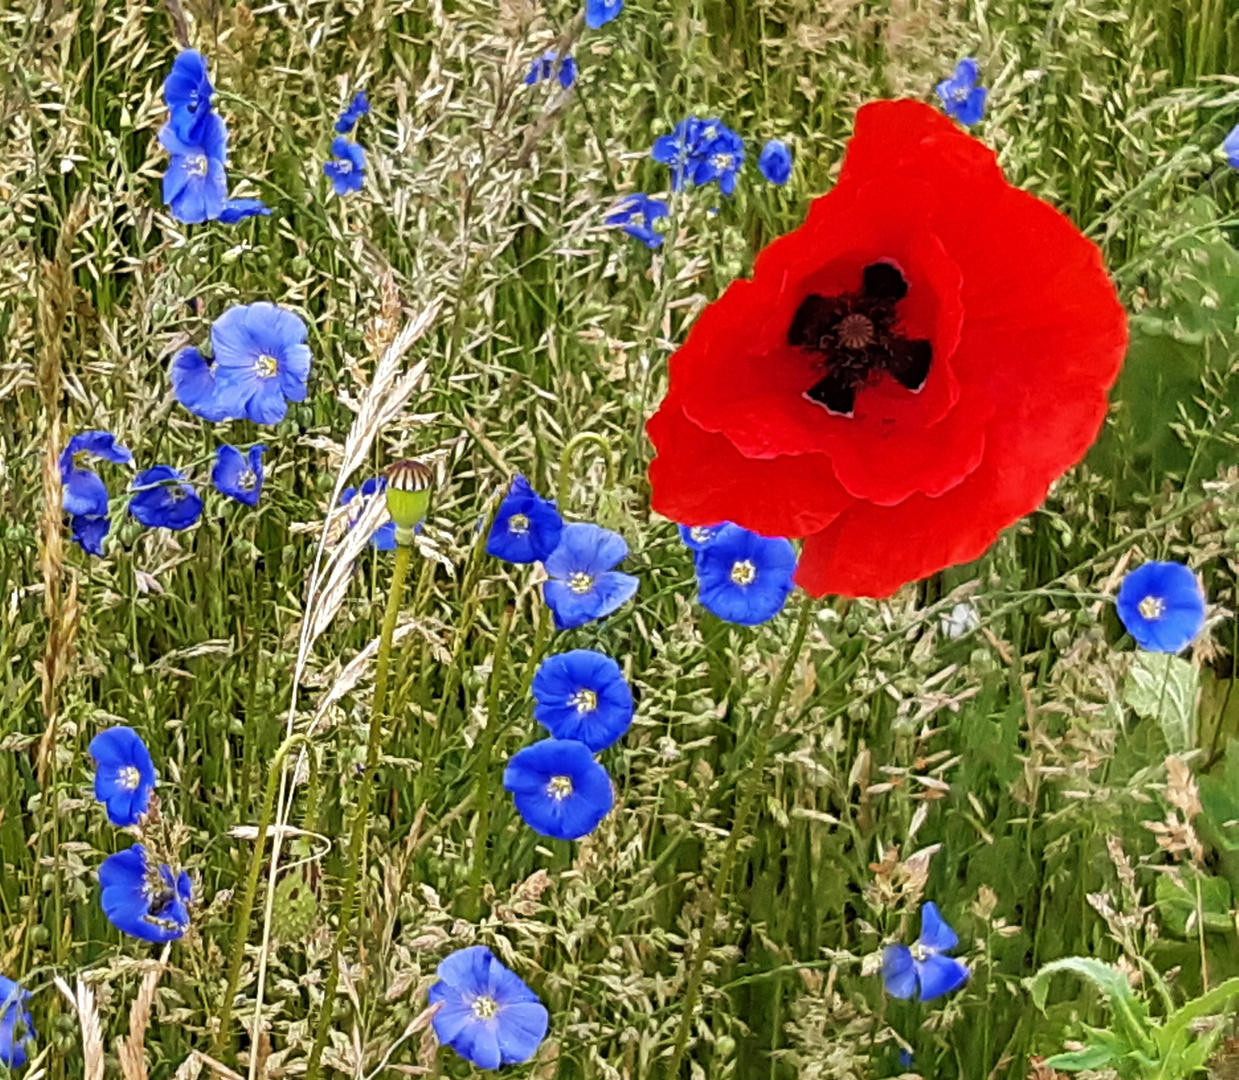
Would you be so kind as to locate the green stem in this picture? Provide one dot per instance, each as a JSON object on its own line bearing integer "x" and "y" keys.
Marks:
{"x": 585, "y": 438}
{"x": 481, "y": 827}
{"x": 357, "y": 836}
{"x": 750, "y": 788}
{"x": 241, "y": 932}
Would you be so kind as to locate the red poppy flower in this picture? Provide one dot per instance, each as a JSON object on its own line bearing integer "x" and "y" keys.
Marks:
{"x": 904, "y": 375}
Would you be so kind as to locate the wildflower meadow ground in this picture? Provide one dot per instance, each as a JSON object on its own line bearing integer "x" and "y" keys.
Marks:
{"x": 619, "y": 539}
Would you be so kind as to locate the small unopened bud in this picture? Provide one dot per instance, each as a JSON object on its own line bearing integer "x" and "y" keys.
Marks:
{"x": 408, "y": 495}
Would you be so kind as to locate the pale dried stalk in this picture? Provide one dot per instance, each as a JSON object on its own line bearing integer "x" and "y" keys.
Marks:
{"x": 55, "y": 295}
{"x": 132, "y": 1050}
{"x": 83, "y": 1002}
{"x": 386, "y": 395}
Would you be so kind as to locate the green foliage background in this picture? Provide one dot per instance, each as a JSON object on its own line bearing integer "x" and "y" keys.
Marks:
{"x": 1010, "y": 758}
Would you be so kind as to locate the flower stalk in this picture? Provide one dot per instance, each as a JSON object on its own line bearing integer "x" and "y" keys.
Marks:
{"x": 566, "y": 459}
{"x": 357, "y": 836}
{"x": 750, "y": 787}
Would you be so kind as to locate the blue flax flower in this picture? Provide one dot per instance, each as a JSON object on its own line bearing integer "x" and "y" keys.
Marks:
{"x": 637, "y": 214}
{"x": 357, "y": 108}
{"x": 559, "y": 789}
{"x": 583, "y": 695}
{"x": 1162, "y": 605}
{"x": 187, "y": 92}
{"x": 527, "y": 527}
{"x": 922, "y": 970}
{"x": 164, "y": 499}
{"x": 261, "y": 361}
{"x": 721, "y": 156}
{"x": 583, "y": 585}
{"x": 195, "y": 187}
{"x": 745, "y": 578}
{"x": 682, "y": 151}
{"x": 776, "y": 162}
{"x": 1230, "y": 147}
{"x": 239, "y": 209}
{"x": 600, "y": 12}
{"x": 145, "y": 899}
{"x": 85, "y": 494}
{"x": 488, "y": 1015}
{"x": 17, "y": 1032}
{"x": 347, "y": 168}
{"x": 195, "y": 386}
{"x": 124, "y": 774}
{"x": 961, "y": 97}
{"x": 89, "y": 532}
{"x": 549, "y": 65}
{"x": 237, "y": 475}
{"x": 698, "y": 536}
{"x": 384, "y": 537}
{"x": 701, "y": 151}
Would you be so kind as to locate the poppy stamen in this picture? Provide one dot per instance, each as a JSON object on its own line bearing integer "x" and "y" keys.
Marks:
{"x": 856, "y": 335}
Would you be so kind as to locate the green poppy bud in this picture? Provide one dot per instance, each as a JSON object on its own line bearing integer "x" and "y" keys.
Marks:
{"x": 408, "y": 495}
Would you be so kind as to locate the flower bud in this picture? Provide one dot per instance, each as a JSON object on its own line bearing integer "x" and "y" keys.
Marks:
{"x": 408, "y": 495}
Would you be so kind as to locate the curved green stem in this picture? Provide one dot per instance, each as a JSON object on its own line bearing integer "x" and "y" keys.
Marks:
{"x": 241, "y": 931}
{"x": 585, "y": 438}
{"x": 481, "y": 827}
{"x": 361, "y": 815}
{"x": 750, "y": 788}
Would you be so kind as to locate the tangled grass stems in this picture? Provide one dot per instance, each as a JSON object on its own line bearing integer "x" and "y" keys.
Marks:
{"x": 750, "y": 787}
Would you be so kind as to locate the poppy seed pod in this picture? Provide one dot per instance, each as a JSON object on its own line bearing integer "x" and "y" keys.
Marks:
{"x": 408, "y": 495}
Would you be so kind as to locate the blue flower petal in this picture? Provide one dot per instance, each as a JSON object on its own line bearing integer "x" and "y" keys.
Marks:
{"x": 775, "y": 162}
{"x": 89, "y": 532}
{"x": 600, "y": 12}
{"x": 164, "y": 499}
{"x": 940, "y": 975}
{"x": 936, "y": 933}
{"x": 899, "y": 971}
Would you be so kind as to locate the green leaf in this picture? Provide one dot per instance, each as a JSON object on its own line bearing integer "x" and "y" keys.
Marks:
{"x": 1177, "y": 901}
{"x": 1091, "y": 1057}
{"x": 1164, "y": 688}
{"x": 1128, "y": 1010}
{"x": 1177, "y": 1033}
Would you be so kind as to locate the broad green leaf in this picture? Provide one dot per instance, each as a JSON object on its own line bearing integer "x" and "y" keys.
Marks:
{"x": 1129, "y": 1011}
{"x": 1177, "y": 1034}
{"x": 1092, "y": 1057}
{"x": 1177, "y": 901}
{"x": 1164, "y": 688}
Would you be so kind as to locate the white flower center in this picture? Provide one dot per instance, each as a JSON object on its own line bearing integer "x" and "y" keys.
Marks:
{"x": 919, "y": 952}
{"x": 248, "y": 480}
{"x": 197, "y": 165}
{"x": 581, "y": 582}
{"x": 129, "y": 778}
{"x": 584, "y": 700}
{"x": 266, "y": 366}
{"x": 723, "y": 162}
{"x": 485, "y": 1007}
{"x": 518, "y": 524}
{"x": 345, "y": 166}
{"x": 559, "y": 788}
{"x": 701, "y": 534}
{"x": 743, "y": 572}
{"x": 1152, "y": 607}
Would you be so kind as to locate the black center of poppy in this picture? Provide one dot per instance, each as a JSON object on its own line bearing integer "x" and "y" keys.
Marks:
{"x": 855, "y": 336}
